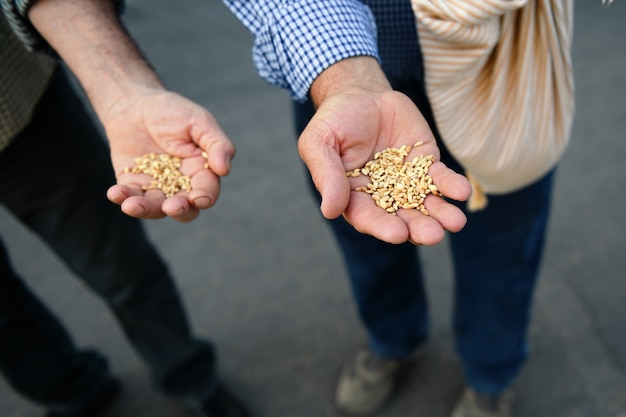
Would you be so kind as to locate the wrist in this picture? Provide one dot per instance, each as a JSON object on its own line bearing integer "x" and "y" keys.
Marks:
{"x": 360, "y": 73}
{"x": 116, "y": 87}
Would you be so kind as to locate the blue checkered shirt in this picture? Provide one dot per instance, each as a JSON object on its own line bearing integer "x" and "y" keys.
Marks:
{"x": 295, "y": 40}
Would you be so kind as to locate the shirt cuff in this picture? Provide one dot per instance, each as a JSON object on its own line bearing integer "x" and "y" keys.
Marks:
{"x": 306, "y": 37}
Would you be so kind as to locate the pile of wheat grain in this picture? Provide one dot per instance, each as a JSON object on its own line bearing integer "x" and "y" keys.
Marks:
{"x": 395, "y": 183}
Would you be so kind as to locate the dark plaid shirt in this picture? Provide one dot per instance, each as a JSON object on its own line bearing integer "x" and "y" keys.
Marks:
{"x": 26, "y": 64}
{"x": 23, "y": 79}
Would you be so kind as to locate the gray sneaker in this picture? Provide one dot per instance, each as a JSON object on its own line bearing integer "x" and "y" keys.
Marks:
{"x": 367, "y": 382}
{"x": 475, "y": 404}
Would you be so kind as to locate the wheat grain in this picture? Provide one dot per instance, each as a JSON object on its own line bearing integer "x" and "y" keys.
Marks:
{"x": 396, "y": 183}
{"x": 165, "y": 173}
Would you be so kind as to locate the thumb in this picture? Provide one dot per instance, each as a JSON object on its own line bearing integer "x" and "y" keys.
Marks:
{"x": 327, "y": 171}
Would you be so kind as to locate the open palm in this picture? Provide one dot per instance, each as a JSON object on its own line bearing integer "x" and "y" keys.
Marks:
{"x": 345, "y": 132}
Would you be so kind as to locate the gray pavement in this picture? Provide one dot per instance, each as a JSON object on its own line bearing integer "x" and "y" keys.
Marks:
{"x": 262, "y": 277}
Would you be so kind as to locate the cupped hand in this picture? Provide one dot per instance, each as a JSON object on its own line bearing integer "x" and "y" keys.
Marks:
{"x": 161, "y": 121}
{"x": 139, "y": 115}
{"x": 346, "y": 131}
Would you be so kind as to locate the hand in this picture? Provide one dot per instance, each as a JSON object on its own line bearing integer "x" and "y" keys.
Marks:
{"x": 160, "y": 121}
{"x": 353, "y": 121}
{"x": 139, "y": 115}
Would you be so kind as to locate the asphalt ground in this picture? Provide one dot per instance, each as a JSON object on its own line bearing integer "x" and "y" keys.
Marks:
{"x": 262, "y": 277}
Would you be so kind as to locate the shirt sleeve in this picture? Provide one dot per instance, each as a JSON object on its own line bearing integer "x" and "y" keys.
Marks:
{"x": 16, "y": 14}
{"x": 295, "y": 40}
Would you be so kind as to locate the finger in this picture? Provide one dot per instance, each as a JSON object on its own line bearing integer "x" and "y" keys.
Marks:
{"x": 366, "y": 217}
{"x": 144, "y": 207}
{"x": 422, "y": 229}
{"x": 205, "y": 189}
{"x": 327, "y": 171}
{"x": 219, "y": 150}
{"x": 220, "y": 154}
{"x": 178, "y": 208}
{"x": 451, "y": 184}
{"x": 118, "y": 193}
{"x": 449, "y": 216}
{"x": 335, "y": 191}
{"x": 128, "y": 185}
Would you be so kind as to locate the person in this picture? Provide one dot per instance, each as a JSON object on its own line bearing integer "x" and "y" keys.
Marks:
{"x": 355, "y": 72}
{"x": 54, "y": 173}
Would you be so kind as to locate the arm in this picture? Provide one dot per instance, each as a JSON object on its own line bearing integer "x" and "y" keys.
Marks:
{"x": 357, "y": 111}
{"x": 139, "y": 115}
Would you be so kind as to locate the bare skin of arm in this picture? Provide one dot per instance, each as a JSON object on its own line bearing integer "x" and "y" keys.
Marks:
{"x": 138, "y": 113}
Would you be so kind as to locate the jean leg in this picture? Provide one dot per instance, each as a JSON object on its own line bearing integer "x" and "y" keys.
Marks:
{"x": 497, "y": 260}
{"x": 37, "y": 356}
{"x": 59, "y": 192}
{"x": 388, "y": 290}
{"x": 496, "y": 263}
{"x": 386, "y": 280}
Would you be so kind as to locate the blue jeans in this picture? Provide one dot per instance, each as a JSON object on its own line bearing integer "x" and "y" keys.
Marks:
{"x": 496, "y": 263}
{"x": 53, "y": 178}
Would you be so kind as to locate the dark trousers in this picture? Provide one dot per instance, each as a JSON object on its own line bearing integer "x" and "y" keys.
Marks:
{"x": 496, "y": 263}
{"x": 53, "y": 178}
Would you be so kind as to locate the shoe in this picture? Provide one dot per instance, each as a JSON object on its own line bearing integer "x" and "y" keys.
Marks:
{"x": 91, "y": 406}
{"x": 475, "y": 404}
{"x": 222, "y": 403}
{"x": 366, "y": 383}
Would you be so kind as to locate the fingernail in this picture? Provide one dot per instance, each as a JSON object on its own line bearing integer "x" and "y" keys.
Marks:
{"x": 202, "y": 202}
{"x": 137, "y": 211}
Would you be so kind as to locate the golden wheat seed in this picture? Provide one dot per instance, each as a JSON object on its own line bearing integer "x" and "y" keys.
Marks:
{"x": 396, "y": 183}
{"x": 164, "y": 169}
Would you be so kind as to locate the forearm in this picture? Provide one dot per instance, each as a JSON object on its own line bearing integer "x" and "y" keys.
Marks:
{"x": 92, "y": 41}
